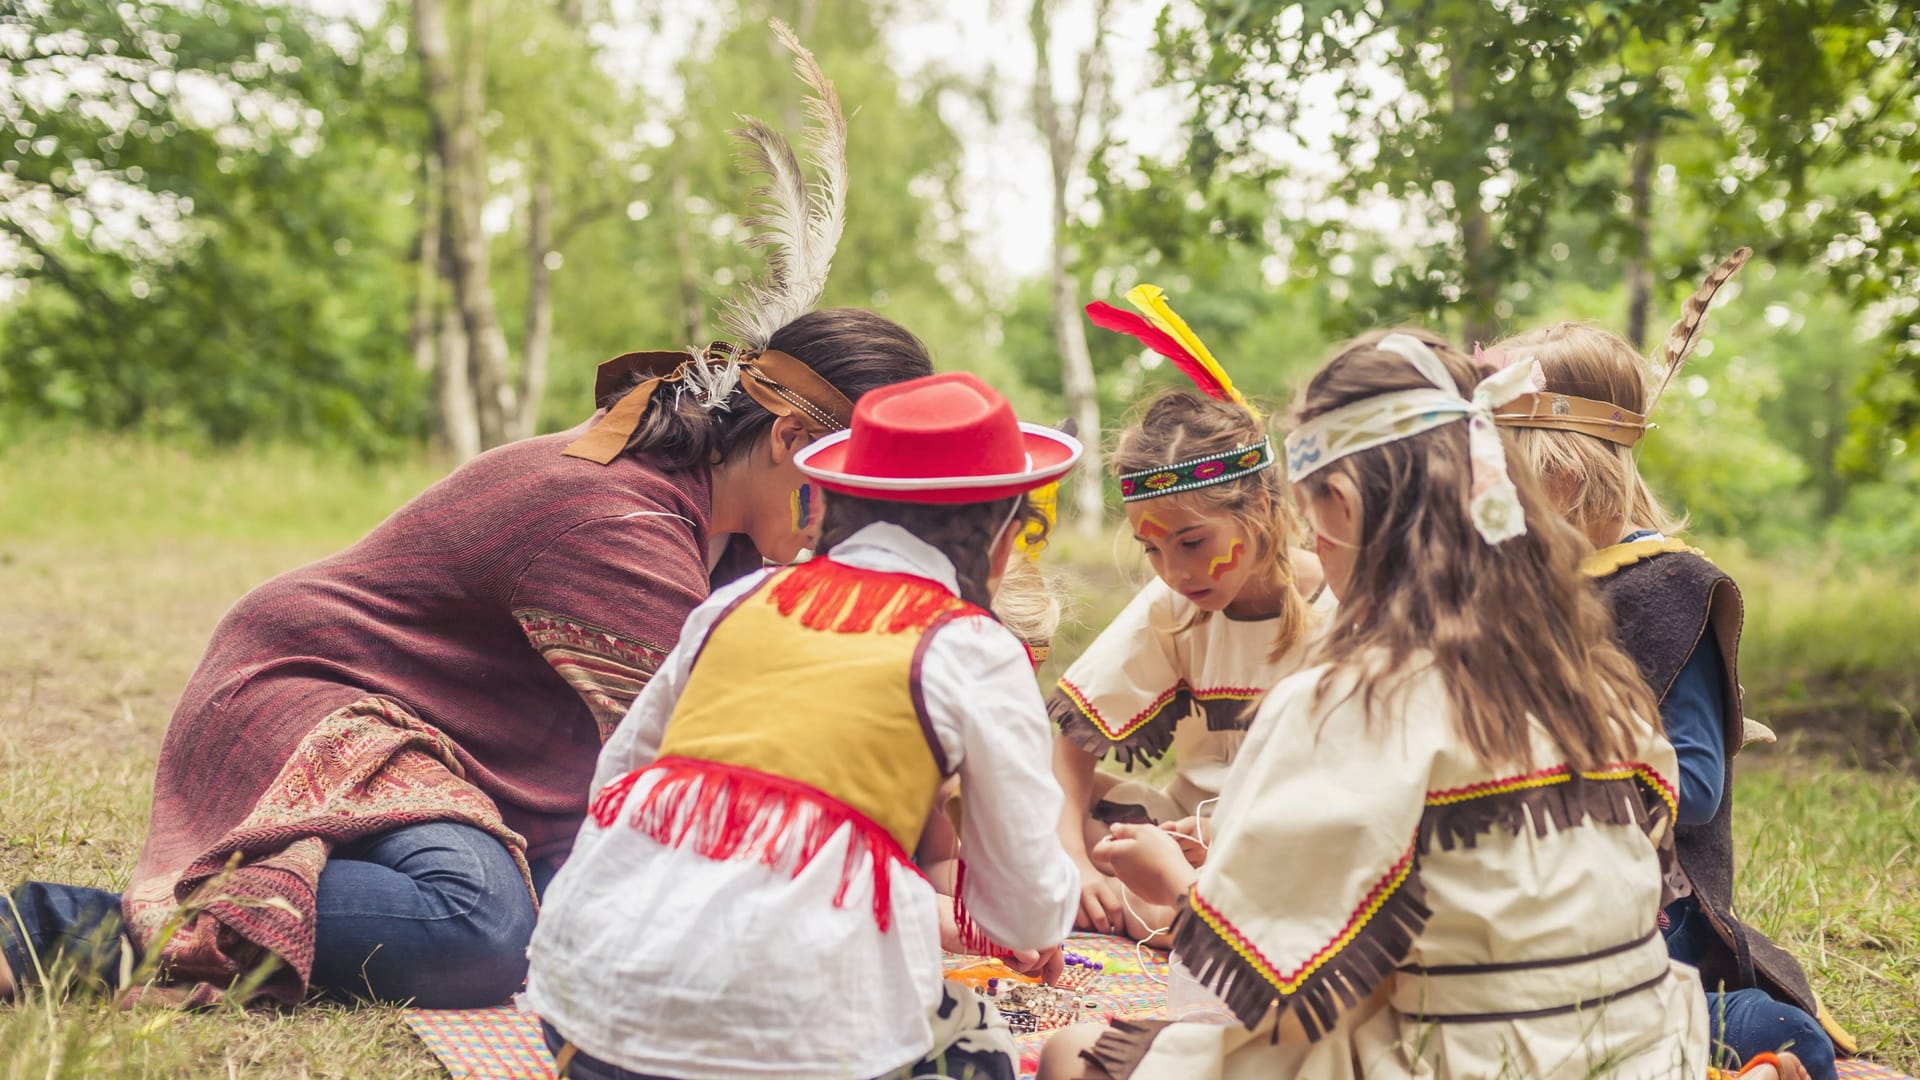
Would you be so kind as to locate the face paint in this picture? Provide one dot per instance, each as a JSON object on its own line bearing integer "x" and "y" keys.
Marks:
{"x": 1225, "y": 564}
{"x": 802, "y": 502}
{"x": 1151, "y": 529}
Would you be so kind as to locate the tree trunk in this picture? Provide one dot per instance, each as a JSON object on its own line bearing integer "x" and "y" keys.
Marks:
{"x": 457, "y": 423}
{"x": 1481, "y": 277}
{"x": 426, "y": 279}
{"x": 1083, "y": 399}
{"x": 1069, "y": 333}
{"x": 454, "y": 109}
{"x": 1639, "y": 270}
{"x": 539, "y": 331}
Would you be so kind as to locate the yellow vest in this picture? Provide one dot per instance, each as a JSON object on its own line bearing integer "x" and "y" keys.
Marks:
{"x": 813, "y": 678}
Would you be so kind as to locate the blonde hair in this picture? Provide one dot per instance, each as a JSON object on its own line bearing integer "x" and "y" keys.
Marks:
{"x": 1595, "y": 480}
{"x": 1514, "y": 632}
{"x": 1028, "y": 603}
{"x": 1179, "y": 426}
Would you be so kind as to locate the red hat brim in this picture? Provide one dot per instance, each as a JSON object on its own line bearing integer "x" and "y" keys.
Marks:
{"x": 1050, "y": 455}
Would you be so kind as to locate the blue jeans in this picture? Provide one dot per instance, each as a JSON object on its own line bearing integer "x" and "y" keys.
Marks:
{"x": 1747, "y": 1022}
{"x": 435, "y": 914}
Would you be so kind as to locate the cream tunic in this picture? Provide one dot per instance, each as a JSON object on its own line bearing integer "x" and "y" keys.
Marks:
{"x": 1424, "y": 916}
{"x": 1165, "y": 675}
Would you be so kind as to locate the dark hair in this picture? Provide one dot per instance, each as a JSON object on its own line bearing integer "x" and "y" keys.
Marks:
{"x": 1513, "y": 629}
{"x": 963, "y": 533}
{"x": 852, "y": 348}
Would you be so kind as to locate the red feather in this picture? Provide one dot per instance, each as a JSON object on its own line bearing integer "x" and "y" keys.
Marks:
{"x": 1108, "y": 317}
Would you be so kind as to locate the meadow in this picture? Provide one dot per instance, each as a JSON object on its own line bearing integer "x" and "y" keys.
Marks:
{"x": 117, "y": 557}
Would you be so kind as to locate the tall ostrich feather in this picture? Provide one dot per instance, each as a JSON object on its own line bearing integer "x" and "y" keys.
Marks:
{"x": 1685, "y": 332}
{"x": 797, "y": 223}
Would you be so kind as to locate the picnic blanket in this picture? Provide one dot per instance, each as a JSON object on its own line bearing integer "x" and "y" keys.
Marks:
{"x": 504, "y": 1043}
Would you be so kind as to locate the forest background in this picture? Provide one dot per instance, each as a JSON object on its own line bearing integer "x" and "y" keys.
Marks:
{"x": 268, "y": 269}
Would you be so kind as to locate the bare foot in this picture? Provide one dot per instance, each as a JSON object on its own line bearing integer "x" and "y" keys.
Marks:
{"x": 6, "y": 980}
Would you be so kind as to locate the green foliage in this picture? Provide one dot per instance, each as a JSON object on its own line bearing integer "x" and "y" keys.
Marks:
{"x": 194, "y": 197}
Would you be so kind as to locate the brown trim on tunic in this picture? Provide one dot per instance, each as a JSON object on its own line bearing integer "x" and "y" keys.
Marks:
{"x": 1554, "y": 1010}
{"x": 1529, "y": 965}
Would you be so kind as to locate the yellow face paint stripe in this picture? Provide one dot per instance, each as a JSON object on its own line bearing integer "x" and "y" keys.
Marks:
{"x": 1222, "y": 564}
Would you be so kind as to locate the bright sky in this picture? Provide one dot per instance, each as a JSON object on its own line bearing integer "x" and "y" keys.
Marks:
{"x": 1008, "y": 186}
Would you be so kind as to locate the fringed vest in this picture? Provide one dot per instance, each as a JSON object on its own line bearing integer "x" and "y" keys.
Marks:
{"x": 803, "y": 715}
{"x": 1667, "y": 599}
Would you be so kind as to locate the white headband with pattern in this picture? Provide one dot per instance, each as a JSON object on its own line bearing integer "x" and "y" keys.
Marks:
{"x": 1494, "y": 503}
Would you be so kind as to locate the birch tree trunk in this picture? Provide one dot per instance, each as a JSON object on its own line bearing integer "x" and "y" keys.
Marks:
{"x": 539, "y": 330}
{"x": 456, "y": 430}
{"x": 454, "y": 107}
{"x": 421, "y": 332}
{"x": 1061, "y": 133}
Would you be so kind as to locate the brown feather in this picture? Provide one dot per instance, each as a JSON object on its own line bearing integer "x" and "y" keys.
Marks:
{"x": 1685, "y": 332}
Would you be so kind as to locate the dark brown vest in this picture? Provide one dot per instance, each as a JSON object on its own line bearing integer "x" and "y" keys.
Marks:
{"x": 1664, "y": 605}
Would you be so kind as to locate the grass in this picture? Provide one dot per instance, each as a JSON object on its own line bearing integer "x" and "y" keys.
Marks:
{"x": 117, "y": 558}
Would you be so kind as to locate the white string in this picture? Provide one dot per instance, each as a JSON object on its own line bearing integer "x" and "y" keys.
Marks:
{"x": 1200, "y": 823}
{"x": 1140, "y": 947}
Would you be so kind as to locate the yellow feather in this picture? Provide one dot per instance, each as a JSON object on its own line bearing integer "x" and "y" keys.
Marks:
{"x": 1152, "y": 302}
{"x": 1031, "y": 539}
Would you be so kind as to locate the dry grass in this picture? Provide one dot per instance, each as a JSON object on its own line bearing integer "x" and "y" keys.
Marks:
{"x": 116, "y": 563}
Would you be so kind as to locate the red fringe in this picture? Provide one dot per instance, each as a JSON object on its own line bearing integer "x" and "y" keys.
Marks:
{"x": 849, "y": 600}
{"x": 730, "y": 811}
{"x": 972, "y": 938}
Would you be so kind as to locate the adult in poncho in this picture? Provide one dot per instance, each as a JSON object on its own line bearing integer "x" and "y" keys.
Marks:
{"x": 383, "y": 755}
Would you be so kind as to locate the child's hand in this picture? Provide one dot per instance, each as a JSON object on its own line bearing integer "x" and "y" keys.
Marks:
{"x": 1101, "y": 909}
{"x": 1149, "y": 861}
{"x": 1045, "y": 965}
{"x": 1187, "y": 832}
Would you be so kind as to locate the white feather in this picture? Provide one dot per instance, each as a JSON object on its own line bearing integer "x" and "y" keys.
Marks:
{"x": 712, "y": 384}
{"x": 798, "y": 223}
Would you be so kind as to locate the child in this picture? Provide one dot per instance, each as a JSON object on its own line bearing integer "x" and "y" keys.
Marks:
{"x": 1679, "y": 618}
{"x": 740, "y": 900}
{"x": 1028, "y": 604}
{"x": 1223, "y": 620}
{"x": 1439, "y": 853}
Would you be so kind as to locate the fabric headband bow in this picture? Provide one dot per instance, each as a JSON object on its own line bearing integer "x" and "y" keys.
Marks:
{"x": 782, "y": 384}
{"x": 1494, "y": 503}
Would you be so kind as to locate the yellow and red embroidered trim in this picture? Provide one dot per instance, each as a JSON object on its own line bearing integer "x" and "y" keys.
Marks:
{"x": 1288, "y": 984}
{"x": 1154, "y": 707}
{"x": 1559, "y": 774}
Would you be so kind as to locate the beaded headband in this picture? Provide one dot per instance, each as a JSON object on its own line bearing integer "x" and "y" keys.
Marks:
{"x": 1198, "y": 472}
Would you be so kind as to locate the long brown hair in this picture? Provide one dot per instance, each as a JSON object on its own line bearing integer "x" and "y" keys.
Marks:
{"x": 1513, "y": 630}
{"x": 1179, "y": 426}
{"x": 1594, "y": 480}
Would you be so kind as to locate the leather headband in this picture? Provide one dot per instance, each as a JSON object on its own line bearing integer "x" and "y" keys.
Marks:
{"x": 781, "y": 384}
{"x": 1562, "y": 412}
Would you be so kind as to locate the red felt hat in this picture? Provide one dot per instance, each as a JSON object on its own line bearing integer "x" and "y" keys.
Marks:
{"x": 940, "y": 439}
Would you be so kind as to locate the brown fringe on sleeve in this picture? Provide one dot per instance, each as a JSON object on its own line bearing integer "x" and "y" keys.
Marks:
{"x": 1379, "y": 935}
{"x": 1145, "y": 741}
{"x": 1121, "y": 1047}
{"x": 1623, "y": 795}
{"x": 1353, "y": 964}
